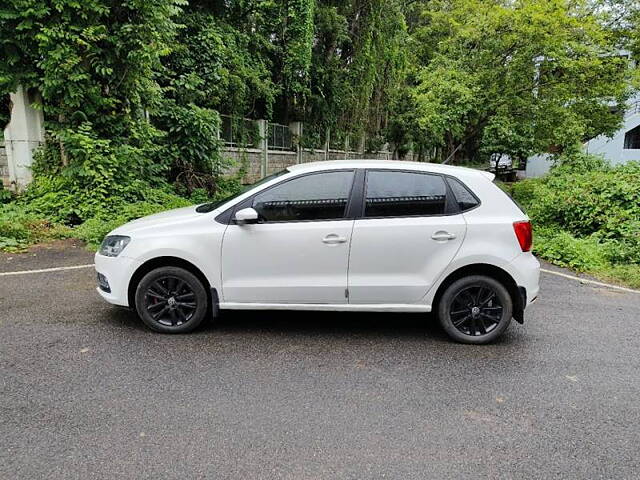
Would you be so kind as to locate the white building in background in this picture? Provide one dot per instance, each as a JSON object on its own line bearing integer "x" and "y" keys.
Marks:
{"x": 622, "y": 147}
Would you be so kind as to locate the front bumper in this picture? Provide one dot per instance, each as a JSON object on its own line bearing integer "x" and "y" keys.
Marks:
{"x": 117, "y": 272}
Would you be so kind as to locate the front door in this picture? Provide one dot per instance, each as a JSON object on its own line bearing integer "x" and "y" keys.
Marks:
{"x": 298, "y": 253}
{"x": 405, "y": 239}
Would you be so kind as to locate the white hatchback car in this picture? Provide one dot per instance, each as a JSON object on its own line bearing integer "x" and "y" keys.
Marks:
{"x": 362, "y": 235}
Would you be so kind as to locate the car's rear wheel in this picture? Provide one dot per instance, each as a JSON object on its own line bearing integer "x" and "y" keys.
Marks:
{"x": 171, "y": 300}
{"x": 475, "y": 309}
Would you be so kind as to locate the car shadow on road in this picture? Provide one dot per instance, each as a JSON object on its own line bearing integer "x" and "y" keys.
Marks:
{"x": 299, "y": 323}
{"x": 329, "y": 323}
{"x": 403, "y": 326}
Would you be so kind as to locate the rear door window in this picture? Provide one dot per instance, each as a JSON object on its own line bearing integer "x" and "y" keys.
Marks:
{"x": 400, "y": 194}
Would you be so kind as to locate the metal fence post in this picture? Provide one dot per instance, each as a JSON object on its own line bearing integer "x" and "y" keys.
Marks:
{"x": 263, "y": 131}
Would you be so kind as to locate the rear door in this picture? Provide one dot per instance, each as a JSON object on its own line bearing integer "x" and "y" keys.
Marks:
{"x": 409, "y": 230}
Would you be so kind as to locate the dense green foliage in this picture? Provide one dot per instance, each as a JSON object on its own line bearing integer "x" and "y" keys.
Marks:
{"x": 441, "y": 77}
{"x": 586, "y": 216}
{"x": 513, "y": 77}
{"x": 93, "y": 60}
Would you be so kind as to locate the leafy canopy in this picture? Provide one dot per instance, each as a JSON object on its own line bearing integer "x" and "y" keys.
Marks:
{"x": 514, "y": 76}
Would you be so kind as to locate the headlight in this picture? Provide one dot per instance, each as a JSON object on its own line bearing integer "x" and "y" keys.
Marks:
{"x": 113, "y": 245}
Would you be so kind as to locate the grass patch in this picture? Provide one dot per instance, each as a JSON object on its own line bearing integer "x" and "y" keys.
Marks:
{"x": 19, "y": 229}
{"x": 587, "y": 255}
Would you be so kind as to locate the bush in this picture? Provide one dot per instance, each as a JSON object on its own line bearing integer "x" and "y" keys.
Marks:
{"x": 581, "y": 162}
{"x": 20, "y": 228}
{"x": 101, "y": 176}
{"x": 5, "y": 195}
{"x": 93, "y": 230}
{"x": 604, "y": 203}
{"x": 562, "y": 248}
{"x": 23, "y": 222}
{"x": 586, "y": 214}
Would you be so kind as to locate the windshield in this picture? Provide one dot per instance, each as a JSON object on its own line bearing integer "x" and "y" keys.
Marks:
{"x": 211, "y": 206}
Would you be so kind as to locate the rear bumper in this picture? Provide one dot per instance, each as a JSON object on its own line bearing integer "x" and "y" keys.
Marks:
{"x": 118, "y": 272}
{"x": 525, "y": 270}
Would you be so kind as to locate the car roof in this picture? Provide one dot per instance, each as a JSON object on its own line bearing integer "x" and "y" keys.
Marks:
{"x": 389, "y": 164}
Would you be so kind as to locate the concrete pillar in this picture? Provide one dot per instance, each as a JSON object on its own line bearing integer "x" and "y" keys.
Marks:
{"x": 263, "y": 132}
{"x": 327, "y": 142}
{"x": 296, "y": 132}
{"x": 22, "y": 136}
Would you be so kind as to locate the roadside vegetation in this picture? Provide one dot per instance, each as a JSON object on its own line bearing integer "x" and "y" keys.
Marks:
{"x": 586, "y": 216}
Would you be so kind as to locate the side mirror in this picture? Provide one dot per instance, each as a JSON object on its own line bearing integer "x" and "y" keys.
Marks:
{"x": 246, "y": 216}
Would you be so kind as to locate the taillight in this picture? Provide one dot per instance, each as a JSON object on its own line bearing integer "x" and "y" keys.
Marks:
{"x": 524, "y": 235}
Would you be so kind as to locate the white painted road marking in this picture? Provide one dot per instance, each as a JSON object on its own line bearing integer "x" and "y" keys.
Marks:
{"x": 559, "y": 274}
{"x": 46, "y": 270}
{"x": 591, "y": 282}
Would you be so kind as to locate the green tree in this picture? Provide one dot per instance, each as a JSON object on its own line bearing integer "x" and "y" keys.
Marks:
{"x": 514, "y": 76}
{"x": 359, "y": 57}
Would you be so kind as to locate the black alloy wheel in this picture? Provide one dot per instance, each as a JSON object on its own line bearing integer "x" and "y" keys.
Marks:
{"x": 475, "y": 309}
{"x": 171, "y": 300}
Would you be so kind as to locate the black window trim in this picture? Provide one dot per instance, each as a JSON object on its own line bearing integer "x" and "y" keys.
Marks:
{"x": 451, "y": 204}
{"x": 246, "y": 203}
{"x": 357, "y": 197}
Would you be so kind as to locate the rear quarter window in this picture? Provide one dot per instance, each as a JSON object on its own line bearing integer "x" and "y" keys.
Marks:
{"x": 465, "y": 199}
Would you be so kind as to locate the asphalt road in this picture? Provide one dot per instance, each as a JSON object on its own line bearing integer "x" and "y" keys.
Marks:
{"x": 87, "y": 392}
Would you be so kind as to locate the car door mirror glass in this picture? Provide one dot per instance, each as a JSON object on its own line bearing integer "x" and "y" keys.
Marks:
{"x": 245, "y": 216}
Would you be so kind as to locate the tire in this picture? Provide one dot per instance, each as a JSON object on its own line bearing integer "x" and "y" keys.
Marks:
{"x": 171, "y": 300}
{"x": 476, "y": 309}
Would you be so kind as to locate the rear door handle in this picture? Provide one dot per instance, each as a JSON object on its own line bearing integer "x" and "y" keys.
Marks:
{"x": 443, "y": 236}
{"x": 333, "y": 239}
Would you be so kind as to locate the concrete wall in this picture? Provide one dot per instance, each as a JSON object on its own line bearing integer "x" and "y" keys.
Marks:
{"x": 251, "y": 159}
{"x": 25, "y": 133}
{"x": 538, "y": 166}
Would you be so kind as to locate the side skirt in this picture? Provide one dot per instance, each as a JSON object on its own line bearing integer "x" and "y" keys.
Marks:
{"x": 327, "y": 307}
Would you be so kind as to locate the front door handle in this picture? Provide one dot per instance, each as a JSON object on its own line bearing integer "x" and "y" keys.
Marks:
{"x": 443, "y": 236}
{"x": 333, "y": 239}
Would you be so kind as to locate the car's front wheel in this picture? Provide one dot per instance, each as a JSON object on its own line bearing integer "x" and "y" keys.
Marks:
{"x": 475, "y": 309}
{"x": 171, "y": 300}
